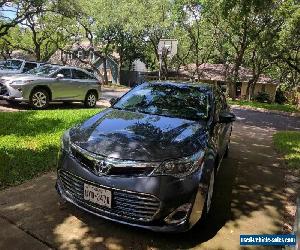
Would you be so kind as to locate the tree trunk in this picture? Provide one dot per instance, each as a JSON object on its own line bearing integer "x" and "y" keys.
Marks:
{"x": 248, "y": 97}
{"x": 105, "y": 70}
{"x": 252, "y": 86}
{"x": 197, "y": 61}
{"x": 37, "y": 52}
{"x": 120, "y": 65}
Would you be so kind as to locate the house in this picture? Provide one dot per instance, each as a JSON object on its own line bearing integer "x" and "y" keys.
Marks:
{"x": 79, "y": 53}
{"x": 221, "y": 73}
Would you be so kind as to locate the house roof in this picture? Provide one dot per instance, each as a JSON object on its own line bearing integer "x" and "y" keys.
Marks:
{"x": 222, "y": 72}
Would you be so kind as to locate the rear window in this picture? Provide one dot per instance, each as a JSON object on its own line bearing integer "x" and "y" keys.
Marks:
{"x": 28, "y": 66}
{"x": 78, "y": 74}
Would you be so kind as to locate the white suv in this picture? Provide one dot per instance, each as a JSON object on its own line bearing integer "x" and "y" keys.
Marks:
{"x": 17, "y": 66}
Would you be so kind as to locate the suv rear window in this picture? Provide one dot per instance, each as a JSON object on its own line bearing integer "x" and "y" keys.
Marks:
{"x": 78, "y": 74}
{"x": 28, "y": 66}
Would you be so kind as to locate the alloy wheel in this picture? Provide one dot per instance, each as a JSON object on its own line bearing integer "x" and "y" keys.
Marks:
{"x": 39, "y": 99}
{"x": 91, "y": 100}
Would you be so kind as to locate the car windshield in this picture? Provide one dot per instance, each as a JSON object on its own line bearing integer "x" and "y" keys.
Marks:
{"x": 175, "y": 100}
{"x": 11, "y": 64}
{"x": 45, "y": 70}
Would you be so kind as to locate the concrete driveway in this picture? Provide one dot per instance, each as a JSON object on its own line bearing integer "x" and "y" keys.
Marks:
{"x": 249, "y": 199}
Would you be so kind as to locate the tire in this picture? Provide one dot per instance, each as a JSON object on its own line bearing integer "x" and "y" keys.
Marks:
{"x": 39, "y": 99}
{"x": 209, "y": 196}
{"x": 90, "y": 99}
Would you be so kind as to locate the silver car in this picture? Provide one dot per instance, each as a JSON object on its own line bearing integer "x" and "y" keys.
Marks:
{"x": 17, "y": 66}
{"x": 51, "y": 83}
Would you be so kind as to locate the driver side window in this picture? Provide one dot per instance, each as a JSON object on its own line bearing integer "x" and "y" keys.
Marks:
{"x": 65, "y": 72}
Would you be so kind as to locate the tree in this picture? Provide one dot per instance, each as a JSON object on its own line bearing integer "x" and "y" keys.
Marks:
{"x": 17, "y": 11}
{"x": 288, "y": 45}
{"x": 238, "y": 24}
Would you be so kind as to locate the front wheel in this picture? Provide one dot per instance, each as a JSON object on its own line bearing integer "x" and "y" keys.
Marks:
{"x": 39, "y": 99}
{"x": 90, "y": 100}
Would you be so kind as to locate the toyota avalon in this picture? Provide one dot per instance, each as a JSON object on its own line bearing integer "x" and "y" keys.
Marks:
{"x": 150, "y": 160}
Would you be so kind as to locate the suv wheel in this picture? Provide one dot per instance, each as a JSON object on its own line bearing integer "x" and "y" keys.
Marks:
{"x": 90, "y": 99}
{"x": 39, "y": 99}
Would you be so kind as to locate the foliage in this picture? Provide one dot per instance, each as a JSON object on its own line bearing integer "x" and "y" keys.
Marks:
{"x": 263, "y": 97}
{"x": 29, "y": 141}
{"x": 280, "y": 97}
{"x": 288, "y": 143}
{"x": 260, "y": 35}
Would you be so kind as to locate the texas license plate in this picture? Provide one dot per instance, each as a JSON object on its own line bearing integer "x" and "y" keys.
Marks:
{"x": 97, "y": 195}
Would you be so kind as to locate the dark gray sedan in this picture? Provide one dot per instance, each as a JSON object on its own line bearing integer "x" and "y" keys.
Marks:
{"x": 151, "y": 159}
{"x": 49, "y": 83}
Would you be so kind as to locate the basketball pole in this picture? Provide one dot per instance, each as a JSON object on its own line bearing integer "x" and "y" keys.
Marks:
{"x": 160, "y": 65}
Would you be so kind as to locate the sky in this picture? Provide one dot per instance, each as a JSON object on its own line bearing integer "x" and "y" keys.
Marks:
{"x": 8, "y": 12}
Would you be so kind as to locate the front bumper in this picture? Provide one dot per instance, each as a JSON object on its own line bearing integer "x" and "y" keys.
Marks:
{"x": 146, "y": 201}
{"x": 7, "y": 92}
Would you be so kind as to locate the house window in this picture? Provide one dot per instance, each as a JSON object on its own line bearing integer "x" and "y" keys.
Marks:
{"x": 69, "y": 56}
{"x": 92, "y": 56}
{"x": 80, "y": 54}
{"x": 263, "y": 88}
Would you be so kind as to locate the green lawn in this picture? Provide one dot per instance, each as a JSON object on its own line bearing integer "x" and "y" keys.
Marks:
{"x": 30, "y": 140}
{"x": 288, "y": 143}
{"x": 271, "y": 106}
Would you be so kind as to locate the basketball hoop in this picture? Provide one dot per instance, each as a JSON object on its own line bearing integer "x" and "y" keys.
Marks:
{"x": 166, "y": 48}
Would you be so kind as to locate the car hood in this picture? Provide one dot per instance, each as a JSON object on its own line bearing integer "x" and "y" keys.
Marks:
{"x": 22, "y": 77}
{"x": 137, "y": 136}
{"x": 8, "y": 72}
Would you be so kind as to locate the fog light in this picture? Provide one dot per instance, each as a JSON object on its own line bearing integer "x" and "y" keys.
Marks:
{"x": 179, "y": 215}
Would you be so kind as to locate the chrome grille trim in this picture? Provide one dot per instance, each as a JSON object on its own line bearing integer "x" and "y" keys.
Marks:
{"x": 127, "y": 167}
{"x": 126, "y": 204}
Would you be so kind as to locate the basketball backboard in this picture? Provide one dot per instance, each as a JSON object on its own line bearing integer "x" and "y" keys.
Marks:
{"x": 167, "y": 46}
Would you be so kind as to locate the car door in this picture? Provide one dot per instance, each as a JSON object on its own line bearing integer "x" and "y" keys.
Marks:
{"x": 83, "y": 82}
{"x": 61, "y": 87}
{"x": 220, "y": 130}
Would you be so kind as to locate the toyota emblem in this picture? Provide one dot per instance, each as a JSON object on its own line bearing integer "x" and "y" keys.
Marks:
{"x": 102, "y": 168}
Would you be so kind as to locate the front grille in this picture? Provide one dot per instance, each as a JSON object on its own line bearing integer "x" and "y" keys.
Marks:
{"x": 113, "y": 167}
{"x": 126, "y": 204}
{"x": 3, "y": 89}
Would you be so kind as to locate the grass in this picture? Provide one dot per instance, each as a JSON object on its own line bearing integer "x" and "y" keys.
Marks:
{"x": 30, "y": 141}
{"x": 268, "y": 106}
{"x": 288, "y": 143}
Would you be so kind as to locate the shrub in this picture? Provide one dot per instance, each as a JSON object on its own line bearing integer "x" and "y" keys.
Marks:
{"x": 280, "y": 97}
{"x": 263, "y": 97}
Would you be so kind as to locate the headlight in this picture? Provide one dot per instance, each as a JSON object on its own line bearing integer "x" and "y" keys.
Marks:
{"x": 20, "y": 82}
{"x": 65, "y": 141}
{"x": 181, "y": 167}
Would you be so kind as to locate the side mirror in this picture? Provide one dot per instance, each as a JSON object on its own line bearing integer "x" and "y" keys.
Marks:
{"x": 59, "y": 76}
{"x": 226, "y": 117}
{"x": 113, "y": 100}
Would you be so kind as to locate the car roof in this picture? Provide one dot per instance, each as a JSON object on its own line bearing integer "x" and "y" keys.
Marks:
{"x": 204, "y": 86}
{"x": 63, "y": 66}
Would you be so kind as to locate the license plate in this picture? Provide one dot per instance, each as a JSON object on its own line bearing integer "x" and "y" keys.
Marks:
{"x": 97, "y": 195}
